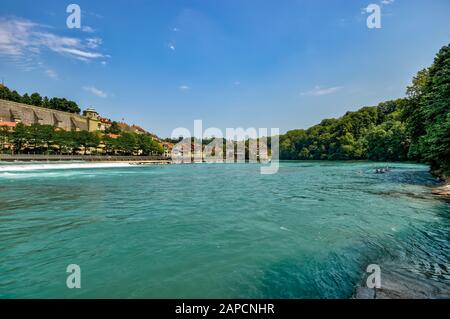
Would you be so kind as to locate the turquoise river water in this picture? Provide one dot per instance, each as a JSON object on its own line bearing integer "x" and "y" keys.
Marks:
{"x": 217, "y": 230}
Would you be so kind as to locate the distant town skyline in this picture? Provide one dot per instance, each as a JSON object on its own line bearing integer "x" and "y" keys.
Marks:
{"x": 164, "y": 64}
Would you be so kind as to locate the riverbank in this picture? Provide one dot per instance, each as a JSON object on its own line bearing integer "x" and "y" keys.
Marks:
{"x": 18, "y": 167}
{"x": 153, "y": 159}
{"x": 443, "y": 190}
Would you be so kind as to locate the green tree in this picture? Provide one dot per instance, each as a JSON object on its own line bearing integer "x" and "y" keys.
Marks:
{"x": 127, "y": 143}
{"x": 4, "y": 92}
{"x": 20, "y": 137}
{"x": 114, "y": 128}
{"x": 110, "y": 144}
{"x": 60, "y": 104}
{"x": 26, "y": 99}
{"x": 63, "y": 141}
{"x": 5, "y": 135}
{"x": 148, "y": 145}
{"x": 63, "y": 105}
{"x": 44, "y": 136}
{"x": 412, "y": 113}
{"x": 431, "y": 142}
{"x": 15, "y": 97}
{"x": 36, "y": 99}
{"x": 388, "y": 142}
{"x": 344, "y": 138}
{"x": 85, "y": 140}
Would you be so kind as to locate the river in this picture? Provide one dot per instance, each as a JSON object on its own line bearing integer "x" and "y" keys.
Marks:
{"x": 218, "y": 230}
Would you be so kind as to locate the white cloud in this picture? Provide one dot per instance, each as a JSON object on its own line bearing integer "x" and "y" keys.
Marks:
{"x": 95, "y": 91}
{"x": 80, "y": 54}
{"x": 171, "y": 47}
{"x": 23, "y": 40}
{"x": 93, "y": 43}
{"x": 14, "y": 36}
{"x": 320, "y": 91}
{"x": 51, "y": 74}
{"x": 184, "y": 88}
{"x": 87, "y": 29}
{"x": 387, "y": 1}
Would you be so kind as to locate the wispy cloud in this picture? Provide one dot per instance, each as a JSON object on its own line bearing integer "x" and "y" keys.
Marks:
{"x": 22, "y": 40}
{"x": 387, "y": 1}
{"x": 184, "y": 88}
{"x": 93, "y": 43}
{"x": 95, "y": 91}
{"x": 51, "y": 74}
{"x": 87, "y": 29}
{"x": 320, "y": 91}
{"x": 171, "y": 46}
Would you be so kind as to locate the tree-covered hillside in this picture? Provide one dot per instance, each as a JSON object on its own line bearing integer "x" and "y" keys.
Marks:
{"x": 371, "y": 133}
{"x": 427, "y": 115}
{"x": 413, "y": 128}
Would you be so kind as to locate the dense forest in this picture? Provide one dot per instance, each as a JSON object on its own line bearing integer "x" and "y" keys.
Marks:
{"x": 60, "y": 104}
{"x": 416, "y": 127}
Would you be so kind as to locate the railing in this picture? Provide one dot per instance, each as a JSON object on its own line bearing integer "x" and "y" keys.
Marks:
{"x": 89, "y": 158}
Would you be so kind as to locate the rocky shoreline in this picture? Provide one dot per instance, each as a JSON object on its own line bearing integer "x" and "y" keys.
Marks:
{"x": 443, "y": 190}
{"x": 402, "y": 284}
{"x": 398, "y": 285}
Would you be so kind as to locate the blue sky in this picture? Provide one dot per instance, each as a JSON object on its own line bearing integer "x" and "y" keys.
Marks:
{"x": 232, "y": 63}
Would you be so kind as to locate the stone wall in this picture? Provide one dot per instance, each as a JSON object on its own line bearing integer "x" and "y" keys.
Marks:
{"x": 28, "y": 115}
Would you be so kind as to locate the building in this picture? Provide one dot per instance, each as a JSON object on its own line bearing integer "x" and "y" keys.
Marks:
{"x": 9, "y": 126}
{"x": 12, "y": 112}
{"x": 168, "y": 147}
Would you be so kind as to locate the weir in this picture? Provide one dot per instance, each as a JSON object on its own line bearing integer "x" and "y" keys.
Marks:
{"x": 88, "y": 158}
